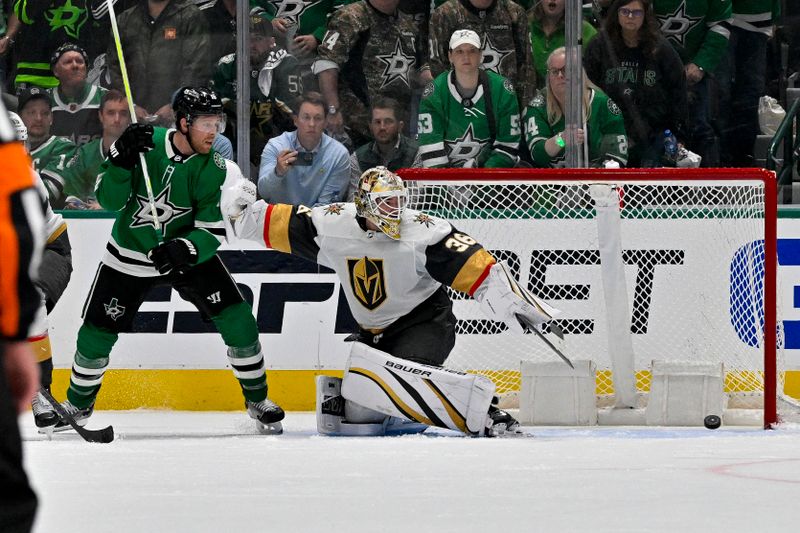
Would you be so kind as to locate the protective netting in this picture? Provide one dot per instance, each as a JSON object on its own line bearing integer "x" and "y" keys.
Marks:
{"x": 693, "y": 254}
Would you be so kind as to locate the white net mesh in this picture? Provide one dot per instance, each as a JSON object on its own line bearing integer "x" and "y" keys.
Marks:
{"x": 694, "y": 268}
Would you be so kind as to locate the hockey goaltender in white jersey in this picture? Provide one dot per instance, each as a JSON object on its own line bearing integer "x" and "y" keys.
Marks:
{"x": 393, "y": 263}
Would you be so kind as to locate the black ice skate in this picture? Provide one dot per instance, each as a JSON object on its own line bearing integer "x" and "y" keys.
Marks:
{"x": 502, "y": 423}
{"x": 80, "y": 414}
{"x": 267, "y": 414}
{"x": 43, "y": 414}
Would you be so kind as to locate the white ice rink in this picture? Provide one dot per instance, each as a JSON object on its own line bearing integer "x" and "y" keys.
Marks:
{"x": 211, "y": 472}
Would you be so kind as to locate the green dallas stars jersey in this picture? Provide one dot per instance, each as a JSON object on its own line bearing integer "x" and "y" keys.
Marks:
{"x": 697, "y": 29}
{"x": 80, "y": 173}
{"x": 605, "y": 135}
{"x": 186, "y": 192}
{"x": 50, "y": 159}
{"x": 311, "y": 18}
{"x": 454, "y": 135}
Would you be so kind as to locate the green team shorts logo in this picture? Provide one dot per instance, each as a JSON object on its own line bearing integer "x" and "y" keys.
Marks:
{"x": 219, "y": 161}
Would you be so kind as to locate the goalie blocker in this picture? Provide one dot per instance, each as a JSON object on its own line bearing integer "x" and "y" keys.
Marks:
{"x": 402, "y": 390}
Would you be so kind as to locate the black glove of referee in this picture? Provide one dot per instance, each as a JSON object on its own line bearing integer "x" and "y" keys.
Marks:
{"x": 175, "y": 254}
{"x": 136, "y": 138}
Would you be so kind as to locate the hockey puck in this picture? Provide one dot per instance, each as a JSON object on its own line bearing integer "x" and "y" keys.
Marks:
{"x": 712, "y": 421}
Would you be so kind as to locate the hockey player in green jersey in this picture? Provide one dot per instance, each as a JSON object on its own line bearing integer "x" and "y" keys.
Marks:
{"x": 468, "y": 117}
{"x": 186, "y": 176}
{"x": 603, "y": 133}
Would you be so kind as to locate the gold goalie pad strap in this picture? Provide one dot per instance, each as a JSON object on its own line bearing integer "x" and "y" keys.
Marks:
{"x": 431, "y": 395}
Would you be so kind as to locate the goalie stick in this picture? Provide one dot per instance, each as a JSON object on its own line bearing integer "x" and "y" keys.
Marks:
{"x": 555, "y": 330}
{"x": 104, "y": 435}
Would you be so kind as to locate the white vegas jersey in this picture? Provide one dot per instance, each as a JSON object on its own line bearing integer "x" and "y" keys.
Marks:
{"x": 383, "y": 279}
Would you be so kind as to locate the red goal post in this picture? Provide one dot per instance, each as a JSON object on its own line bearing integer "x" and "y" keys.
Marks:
{"x": 699, "y": 259}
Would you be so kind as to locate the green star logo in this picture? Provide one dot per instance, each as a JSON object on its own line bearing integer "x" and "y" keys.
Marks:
{"x": 68, "y": 17}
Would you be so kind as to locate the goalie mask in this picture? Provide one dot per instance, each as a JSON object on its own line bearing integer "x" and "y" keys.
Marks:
{"x": 381, "y": 198}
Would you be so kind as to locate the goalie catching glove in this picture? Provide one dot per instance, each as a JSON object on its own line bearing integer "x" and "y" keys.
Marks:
{"x": 136, "y": 138}
{"x": 502, "y": 298}
{"x": 175, "y": 254}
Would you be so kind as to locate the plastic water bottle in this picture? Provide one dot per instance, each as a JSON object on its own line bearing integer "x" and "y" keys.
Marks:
{"x": 670, "y": 146}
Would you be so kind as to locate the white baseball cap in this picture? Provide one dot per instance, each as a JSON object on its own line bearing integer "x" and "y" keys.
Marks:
{"x": 460, "y": 37}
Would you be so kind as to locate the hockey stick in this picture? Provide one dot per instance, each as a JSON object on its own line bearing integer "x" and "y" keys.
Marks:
{"x": 556, "y": 331}
{"x": 104, "y": 435}
{"x": 124, "y": 71}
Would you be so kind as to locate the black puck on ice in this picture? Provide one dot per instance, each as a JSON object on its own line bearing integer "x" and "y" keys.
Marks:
{"x": 712, "y": 421}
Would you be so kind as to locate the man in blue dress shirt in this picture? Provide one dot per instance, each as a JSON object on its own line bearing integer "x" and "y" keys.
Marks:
{"x": 305, "y": 166}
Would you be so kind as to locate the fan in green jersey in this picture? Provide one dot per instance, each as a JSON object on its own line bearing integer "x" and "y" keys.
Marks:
{"x": 186, "y": 176}
{"x": 603, "y": 135}
{"x": 468, "y": 117}
{"x": 49, "y": 152}
{"x": 80, "y": 174}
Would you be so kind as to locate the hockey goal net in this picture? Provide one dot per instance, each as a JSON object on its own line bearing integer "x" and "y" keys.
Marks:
{"x": 696, "y": 278}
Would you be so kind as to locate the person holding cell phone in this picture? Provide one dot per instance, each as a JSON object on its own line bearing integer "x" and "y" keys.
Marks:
{"x": 305, "y": 166}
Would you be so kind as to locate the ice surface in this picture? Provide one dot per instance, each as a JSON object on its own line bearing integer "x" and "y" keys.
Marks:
{"x": 212, "y": 472}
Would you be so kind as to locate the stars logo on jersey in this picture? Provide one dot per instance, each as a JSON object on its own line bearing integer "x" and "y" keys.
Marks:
{"x": 465, "y": 147}
{"x": 424, "y": 219}
{"x": 292, "y": 10}
{"x": 493, "y": 56}
{"x": 367, "y": 281}
{"x": 166, "y": 210}
{"x": 219, "y": 161}
{"x": 334, "y": 209}
{"x": 398, "y": 65}
{"x": 68, "y": 17}
{"x": 677, "y": 25}
{"x": 114, "y": 310}
{"x": 613, "y": 107}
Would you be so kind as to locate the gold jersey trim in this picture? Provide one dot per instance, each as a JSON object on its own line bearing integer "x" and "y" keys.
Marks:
{"x": 473, "y": 272}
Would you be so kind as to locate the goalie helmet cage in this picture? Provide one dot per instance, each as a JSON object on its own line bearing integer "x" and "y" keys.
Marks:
{"x": 699, "y": 258}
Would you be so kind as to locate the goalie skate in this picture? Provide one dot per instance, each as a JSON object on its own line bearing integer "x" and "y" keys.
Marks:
{"x": 501, "y": 424}
{"x": 268, "y": 416}
{"x": 331, "y": 420}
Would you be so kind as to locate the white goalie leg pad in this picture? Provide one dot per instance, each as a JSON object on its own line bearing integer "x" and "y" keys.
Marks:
{"x": 421, "y": 393}
{"x": 502, "y": 298}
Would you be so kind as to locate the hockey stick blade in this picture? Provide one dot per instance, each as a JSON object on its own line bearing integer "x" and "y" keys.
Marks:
{"x": 557, "y": 331}
{"x": 104, "y": 435}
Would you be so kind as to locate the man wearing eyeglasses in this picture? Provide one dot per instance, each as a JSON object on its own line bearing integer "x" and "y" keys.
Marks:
{"x": 185, "y": 174}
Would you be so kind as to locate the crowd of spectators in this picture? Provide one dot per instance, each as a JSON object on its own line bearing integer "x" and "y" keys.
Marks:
{"x": 389, "y": 84}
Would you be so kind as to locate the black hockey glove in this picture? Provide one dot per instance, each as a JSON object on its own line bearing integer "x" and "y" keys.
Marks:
{"x": 136, "y": 138}
{"x": 175, "y": 254}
